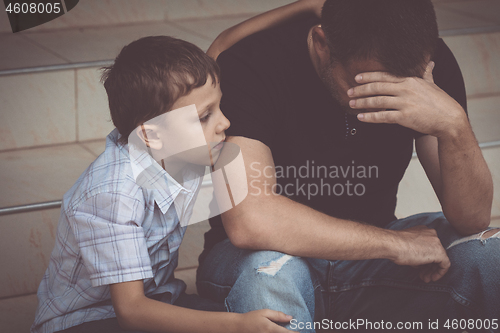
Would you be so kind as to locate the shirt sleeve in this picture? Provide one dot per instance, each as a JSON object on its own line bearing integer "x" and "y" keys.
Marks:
{"x": 447, "y": 74}
{"x": 246, "y": 99}
{"x": 112, "y": 245}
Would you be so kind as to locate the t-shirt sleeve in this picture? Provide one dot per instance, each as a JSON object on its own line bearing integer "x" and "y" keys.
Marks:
{"x": 246, "y": 99}
{"x": 448, "y": 76}
{"x": 112, "y": 245}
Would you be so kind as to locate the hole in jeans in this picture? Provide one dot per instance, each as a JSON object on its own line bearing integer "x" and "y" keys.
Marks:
{"x": 490, "y": 233}
{"x": 274, "y": 266}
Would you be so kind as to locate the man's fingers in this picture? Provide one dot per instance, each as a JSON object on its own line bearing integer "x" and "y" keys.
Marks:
{"x": 375, "y": 102}
{"x": 369, "y": 77}
{"x": 442, "y": 268}
{"x": 428, "y": 72}
{"x": 435, "y": 271}
{"x": 426, "y": 272}
{"x": 373, "y": 89}
{"x": 386, "y": 117}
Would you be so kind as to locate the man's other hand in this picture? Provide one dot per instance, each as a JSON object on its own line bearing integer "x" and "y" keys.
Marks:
{"x": 412, "y": 102}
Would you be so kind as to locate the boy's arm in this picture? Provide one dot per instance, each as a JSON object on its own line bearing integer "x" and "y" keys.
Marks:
{"x": 269, "y": 19}
{"x": 119, "y": 216}
{"x": 135, "y": 311}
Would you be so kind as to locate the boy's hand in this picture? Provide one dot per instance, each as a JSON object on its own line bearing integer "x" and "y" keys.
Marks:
{"x": 263, "y": 321}
{"x": 314, "y": 5}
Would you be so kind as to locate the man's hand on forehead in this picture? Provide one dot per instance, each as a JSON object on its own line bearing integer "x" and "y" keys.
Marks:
{"x": 416, "y": 103}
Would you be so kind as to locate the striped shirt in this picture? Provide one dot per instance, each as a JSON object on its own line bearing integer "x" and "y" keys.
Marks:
{"x": 112, "y": 230}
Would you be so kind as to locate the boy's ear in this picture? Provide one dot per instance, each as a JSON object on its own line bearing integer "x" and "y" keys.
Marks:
{"x": 148, "y": 134}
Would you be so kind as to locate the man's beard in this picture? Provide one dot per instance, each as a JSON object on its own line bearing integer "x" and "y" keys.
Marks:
{"x": 334, "y": 89}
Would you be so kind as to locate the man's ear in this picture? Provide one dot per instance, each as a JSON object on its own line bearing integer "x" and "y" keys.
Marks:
{"x": 320, "y": 45}
{"x": 148, "y": 134}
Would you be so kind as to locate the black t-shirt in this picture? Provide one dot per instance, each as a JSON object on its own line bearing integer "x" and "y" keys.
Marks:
{"x": 324, "y": 158}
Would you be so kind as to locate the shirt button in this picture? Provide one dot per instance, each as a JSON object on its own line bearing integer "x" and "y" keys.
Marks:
{"x": 353, "y": 131}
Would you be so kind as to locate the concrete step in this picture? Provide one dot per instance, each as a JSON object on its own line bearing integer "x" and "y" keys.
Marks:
{"x": 17, "y": 314}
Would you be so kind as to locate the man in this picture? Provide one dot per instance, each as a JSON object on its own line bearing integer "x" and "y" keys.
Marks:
{"x": 326, "y": 116}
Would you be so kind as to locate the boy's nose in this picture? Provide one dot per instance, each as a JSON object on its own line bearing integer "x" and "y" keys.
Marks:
{"x": 224, "y": 124}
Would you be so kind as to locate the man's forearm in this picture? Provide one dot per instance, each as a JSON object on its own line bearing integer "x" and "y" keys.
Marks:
{"x": 286, "y": 226}
{"x": 280, "y": 224}
{"x": 467, "y": 186}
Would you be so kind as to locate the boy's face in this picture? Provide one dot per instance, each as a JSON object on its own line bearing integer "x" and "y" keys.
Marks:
{"x": 210, "y": 117}
{"x": 194, "y": 129}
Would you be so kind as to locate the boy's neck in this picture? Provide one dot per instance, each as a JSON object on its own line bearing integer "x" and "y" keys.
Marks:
{"x": 174, "y": 168}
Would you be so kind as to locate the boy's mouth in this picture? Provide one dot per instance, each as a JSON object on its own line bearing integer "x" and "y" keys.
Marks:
{"x": 219, "y": 145}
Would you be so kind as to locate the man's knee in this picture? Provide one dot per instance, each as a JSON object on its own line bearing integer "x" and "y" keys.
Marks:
{"x": 277, "y": 270}
{"x": 273, "y": 279}
{"x": 285, "y": 264}
{"x": 474, "y": 255}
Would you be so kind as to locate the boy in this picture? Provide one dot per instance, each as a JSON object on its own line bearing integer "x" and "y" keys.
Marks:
{"x": 117, "y": 239}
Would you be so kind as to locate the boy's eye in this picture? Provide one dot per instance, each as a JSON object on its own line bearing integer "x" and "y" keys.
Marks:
{"x": 205, "y": 118}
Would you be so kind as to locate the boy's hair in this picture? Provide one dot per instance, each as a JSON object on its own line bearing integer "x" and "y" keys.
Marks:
{"x": 400, "y": 34}
{"x": 149, "y": 75}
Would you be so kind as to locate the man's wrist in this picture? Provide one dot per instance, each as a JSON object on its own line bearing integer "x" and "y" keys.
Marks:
{"x": 455, "y": 127}
{"x": 392, "y": 245}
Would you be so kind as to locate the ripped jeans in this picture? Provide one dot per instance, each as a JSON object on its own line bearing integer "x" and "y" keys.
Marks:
{"x": 373, "y": 291}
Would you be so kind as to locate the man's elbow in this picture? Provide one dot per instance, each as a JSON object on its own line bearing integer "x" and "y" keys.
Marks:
{"x": 247, "y": 233}
{"x": 481, "y": 223}
{"x": 469, "y": 224}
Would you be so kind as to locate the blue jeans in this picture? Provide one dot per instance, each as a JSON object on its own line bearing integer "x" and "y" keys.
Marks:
{"x": 371, "y": 291}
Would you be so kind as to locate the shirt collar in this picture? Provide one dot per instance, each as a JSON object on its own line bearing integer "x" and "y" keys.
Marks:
{"x": 149, "y": 175}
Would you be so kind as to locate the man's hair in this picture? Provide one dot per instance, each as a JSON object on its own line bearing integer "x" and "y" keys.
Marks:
{"x": 149, "y": 75}
{"x": 400, "y": 34}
